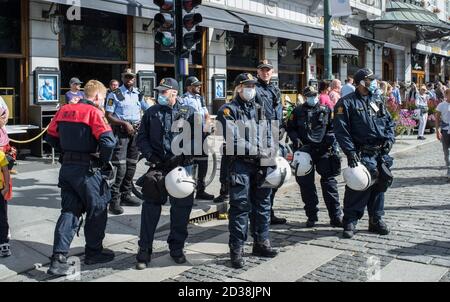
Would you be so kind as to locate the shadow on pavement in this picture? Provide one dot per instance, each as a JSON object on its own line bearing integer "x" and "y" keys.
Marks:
{"x": 432, "y": 248}
{"x": 400, "y": 182}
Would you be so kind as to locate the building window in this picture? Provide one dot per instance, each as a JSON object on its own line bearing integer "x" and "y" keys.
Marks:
{"x": 290, "y": 66}
{"x": 97, "y": 36}
{"x": 10, "y": 30}
{"x": 243, "y": 55}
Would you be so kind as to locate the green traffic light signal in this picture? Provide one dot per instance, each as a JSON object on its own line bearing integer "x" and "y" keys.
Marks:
{"x": 165, "y": 39}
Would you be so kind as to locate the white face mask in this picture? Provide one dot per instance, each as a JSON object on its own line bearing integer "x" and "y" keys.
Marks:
{"x": 248, "y": 93}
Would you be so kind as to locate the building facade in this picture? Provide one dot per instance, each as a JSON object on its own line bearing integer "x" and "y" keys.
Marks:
{"x": 99, "y": 38}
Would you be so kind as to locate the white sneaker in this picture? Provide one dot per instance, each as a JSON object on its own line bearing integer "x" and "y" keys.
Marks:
{"x": 5, "y": 250}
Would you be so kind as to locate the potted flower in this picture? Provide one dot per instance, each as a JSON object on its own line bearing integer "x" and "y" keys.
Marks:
{"x": 432, "y": 104}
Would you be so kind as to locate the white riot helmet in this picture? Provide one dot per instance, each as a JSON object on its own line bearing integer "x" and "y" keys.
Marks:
{"x": 279, "y": 175}
{"x": 302, "y": 163}
{"x": 179, "y": 183}
{"x": 358, "y": 178}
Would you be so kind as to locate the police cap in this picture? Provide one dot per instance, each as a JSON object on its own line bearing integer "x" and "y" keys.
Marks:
{"x": 362, "y": 74}
{"x": 245, "y": 78}
{"x": 166, "y": 84}
{"x": 193, "y": 81}
{"x": 265, "y": 64}
{"x": 309, "y": 91}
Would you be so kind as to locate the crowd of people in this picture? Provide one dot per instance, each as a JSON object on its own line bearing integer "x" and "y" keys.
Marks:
{"x": 100, "y": 134}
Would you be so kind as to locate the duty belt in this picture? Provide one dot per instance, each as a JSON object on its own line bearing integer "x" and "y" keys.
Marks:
{"x": 370, "y": 149}
{"x": 77, "y": 158}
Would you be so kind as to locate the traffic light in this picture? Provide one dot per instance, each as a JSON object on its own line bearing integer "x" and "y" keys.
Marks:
{"x": 191, "y": 20}
{"x": 165, "y": 24}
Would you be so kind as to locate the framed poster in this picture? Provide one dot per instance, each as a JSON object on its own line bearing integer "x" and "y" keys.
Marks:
{"x": 47, "y": 85}
{"x": 146, "y": 83}
{"x": 219, "y": 87}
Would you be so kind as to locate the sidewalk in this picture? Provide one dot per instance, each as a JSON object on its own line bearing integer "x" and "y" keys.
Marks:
{"x": 35, "y": 208}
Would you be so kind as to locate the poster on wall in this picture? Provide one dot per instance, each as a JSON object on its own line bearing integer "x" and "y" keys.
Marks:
{"x": 47, "y": 85}
{"x": 219, "y": 84}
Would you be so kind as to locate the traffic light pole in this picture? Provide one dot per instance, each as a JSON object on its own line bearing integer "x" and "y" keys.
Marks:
{"x": 178, "y": 43}
{"x": 327, "y": 41}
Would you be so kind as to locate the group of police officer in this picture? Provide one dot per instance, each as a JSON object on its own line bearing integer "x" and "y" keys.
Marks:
{"x": 251, "y": 171}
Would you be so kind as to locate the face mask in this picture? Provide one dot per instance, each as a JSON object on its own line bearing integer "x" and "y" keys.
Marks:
{"x": 162, "y": 100}
{"x": 248, "y": 93}
{"x": 373, "y": 86}
{"x": 312, "y": 101}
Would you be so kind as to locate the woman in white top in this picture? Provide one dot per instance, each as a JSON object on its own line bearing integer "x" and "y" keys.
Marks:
{"x": 443, "y": 128}
{"x": 422, "y": 110}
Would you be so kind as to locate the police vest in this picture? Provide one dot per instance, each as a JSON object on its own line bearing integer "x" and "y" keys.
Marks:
{"x": 312, "y": 123}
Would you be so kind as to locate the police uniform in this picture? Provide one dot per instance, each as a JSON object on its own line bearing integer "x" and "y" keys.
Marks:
{"x": 154, "y": 141}
{"x": 365, "y": 130}
{"x": 311, "y": 127}
{"x": 126, "y": 105}
{"x": 197, "y": 102}
{"x": 79, "y": 130}
{"x": 269, "y": 97}
{"x": 247, "y": 200}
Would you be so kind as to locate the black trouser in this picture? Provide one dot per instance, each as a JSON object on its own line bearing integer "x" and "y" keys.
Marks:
{"x": 125, "y": 158}
{"x": 4, "y": 227}
{"x": 272, "y": 197}
{"x": 202, "y": 163}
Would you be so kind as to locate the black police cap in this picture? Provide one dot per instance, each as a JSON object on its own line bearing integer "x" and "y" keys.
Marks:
{"x": 245, "y": 78}
{"x": 192, "y": 81}
{"x": 362, "y": 74}
{"x": 310, "y": 91}
{"x": 167, "y": 83}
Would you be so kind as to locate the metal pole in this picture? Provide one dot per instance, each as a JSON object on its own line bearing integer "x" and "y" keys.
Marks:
{"x": 179, "y": 43}
{"x": 328, "y": 72}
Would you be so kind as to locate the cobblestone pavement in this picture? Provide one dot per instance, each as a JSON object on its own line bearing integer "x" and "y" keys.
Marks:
{"x": 417, "y": 212}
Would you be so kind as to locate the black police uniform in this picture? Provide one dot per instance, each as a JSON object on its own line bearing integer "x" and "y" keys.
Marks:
{"x": 311, "y": 129}
{"x": 247, "y": 200}
{"x": 364, "y": 128}
{"x": 154, "y": 141}
{"x": 269, "y": 96}
{"x": 79, "y": 130}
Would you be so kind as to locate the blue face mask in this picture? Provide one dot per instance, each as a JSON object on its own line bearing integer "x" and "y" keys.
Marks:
{"x": 373, "y": 86}
{"x": 312, "y": 101}
{"x": 162, "y": 100}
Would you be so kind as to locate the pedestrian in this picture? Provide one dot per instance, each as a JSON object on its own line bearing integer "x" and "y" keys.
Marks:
{"x": 396, "y": 92}
{"x": 335, "y": 92}
{"x": 193, "y": 98}
{"x": 74, "y": 95}
{"x": 348, "y": 87}
{"x": 123, "y": 111}
{"x": 440, "y": 92}
{"x": 364, "y": 130}
{"x": 268, "y": 96}
{"x": 324, "y": 98}
{"x": 421, "y": 99}
{"x": 113, "y": 85}
{"x": 10, "y": 151}
{"x": 154, "y": 140}
{"x": 247, "y": 199}
{"x": 431, "y": 91}
{"x": 78, "y": 131}
{"x": 5, "y": 249}
{"x": 311, "y": 131}
{"x": 443, "y": 128}
{"x": 412, "y": 92}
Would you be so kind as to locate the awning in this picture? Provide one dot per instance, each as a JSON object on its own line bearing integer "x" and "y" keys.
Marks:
{"x": 262, "y": 25}
{"x": 382, "y": 43}
{"x": 427, "y": 25}
{"x": 220, "y": 19}
{"x": 340, "y": 46}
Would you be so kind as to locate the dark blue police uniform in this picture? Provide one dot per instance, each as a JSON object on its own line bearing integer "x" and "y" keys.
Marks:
{"x": 154, "y": 141}
{"x": 79, "y": 130}
{"x": 311, "y": 127}
{"x": 363, "y": 126}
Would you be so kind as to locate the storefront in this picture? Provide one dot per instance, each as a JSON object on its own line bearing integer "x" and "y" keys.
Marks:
{"x": 13, "y": 57}
{"x": 388, "y": 64}
{"x": 435, "y": 67}
{"x": 98, "y": 46}
{"x": 418, "y": 68}
{"x": 291, "y": 68}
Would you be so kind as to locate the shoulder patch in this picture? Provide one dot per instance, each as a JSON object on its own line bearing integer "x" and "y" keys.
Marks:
{"x": 226, "y": 112}
{"x": 110, "y": 102}
{"x": 340, "y": 110}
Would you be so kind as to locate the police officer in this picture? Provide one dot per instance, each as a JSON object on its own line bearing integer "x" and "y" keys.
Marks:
{"x": 123, "y": 110}
{"x": 154, "y": 140}
{"x": 245, "y": 196}
{"x": 365, "y": 132}
{"x": 269, "y": 96}
{"x": 77, "y": 131}
{"x": 310, "y": 129}
{"x": 193, "y": 98}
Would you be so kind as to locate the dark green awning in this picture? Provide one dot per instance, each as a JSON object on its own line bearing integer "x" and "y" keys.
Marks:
{"x": 340, "y": 46}
{"x": 427, "y": 25}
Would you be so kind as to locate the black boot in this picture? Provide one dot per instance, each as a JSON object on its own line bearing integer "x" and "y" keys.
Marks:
{"x": 311, "y": 222}
{"x": 377, "y": 225}
{"x": 237, "y": 261}
{"x": 115, "y": 208}
{"x": 104, "y": 256}
{"x": 276, "y": 220}
{"x": 131, "y": 201}
{"x": 143, "y": 258}
{"x": 263, "y": 249}
{"x": 224, "y": 194}
{"x": 59, "y": 266}
{"x": 336, "y": 222}
{"x": 349, "y": 230}
{"x": 203, "y": 195}
{"x": 178, "y": 258}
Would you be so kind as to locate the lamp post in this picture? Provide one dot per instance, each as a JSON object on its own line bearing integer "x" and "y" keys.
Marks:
{"x": 327, "y": 41}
